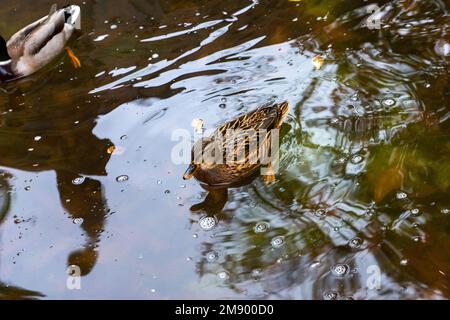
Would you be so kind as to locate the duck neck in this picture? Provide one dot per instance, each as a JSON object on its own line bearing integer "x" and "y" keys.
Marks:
{"x": 6, "y": 72}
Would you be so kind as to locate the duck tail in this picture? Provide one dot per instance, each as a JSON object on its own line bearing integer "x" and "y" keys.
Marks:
{"x": 52, "y": 9}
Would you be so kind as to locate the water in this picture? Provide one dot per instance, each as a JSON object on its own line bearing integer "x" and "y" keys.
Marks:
{"x": 365, "y": 146}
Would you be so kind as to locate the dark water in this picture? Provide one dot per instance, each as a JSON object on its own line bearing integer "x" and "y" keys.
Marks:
{"x": 364, "y": 178}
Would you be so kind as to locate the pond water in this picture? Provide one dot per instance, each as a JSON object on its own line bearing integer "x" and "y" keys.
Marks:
{"x": 360, "y": 208}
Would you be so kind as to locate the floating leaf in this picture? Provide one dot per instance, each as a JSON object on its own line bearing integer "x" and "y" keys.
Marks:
{"x": 115, "y": 150}
{"x": 318, "y": 62}
{"x": 198, "y": 125}
{"x": 388, "y": 181}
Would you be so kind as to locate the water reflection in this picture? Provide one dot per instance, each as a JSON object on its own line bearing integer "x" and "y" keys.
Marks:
{"x": 364, "y": 176}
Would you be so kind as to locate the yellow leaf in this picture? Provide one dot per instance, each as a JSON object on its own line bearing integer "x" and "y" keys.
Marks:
{"x": 116, "y": 150}
{"x": 388, "y": 181}
{"x": 318, "y": 62}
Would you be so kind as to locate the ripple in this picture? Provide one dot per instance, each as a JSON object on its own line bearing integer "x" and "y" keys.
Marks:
{"x": 355, "y": 242}
{"x": 212, "y": 256}
{"x": 78, "y": 180}
{"x": 340, "y": 270}
{"x": 207, "y": 223}
{"x": 261, "y": 227}
{"x": 277, "y": 242}
{"x": 388, "y": 102}
{"x": 78, "y": 221}
{"x": 122, "y": 178}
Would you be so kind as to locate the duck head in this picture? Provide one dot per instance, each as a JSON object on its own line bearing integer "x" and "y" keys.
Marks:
{"x": 190, "y": 172}
{"x": 4, "y": 56}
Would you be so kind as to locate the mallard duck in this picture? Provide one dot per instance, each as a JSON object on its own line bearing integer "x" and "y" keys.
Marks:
{"x": 244, "y": 131}
{"x": 36, "y": 45}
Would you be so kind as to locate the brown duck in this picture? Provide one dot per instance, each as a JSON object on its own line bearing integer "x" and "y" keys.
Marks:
{"x": 236, "y": 161}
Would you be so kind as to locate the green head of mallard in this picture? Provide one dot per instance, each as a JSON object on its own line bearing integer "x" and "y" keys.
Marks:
{"x": 4, "y": 56}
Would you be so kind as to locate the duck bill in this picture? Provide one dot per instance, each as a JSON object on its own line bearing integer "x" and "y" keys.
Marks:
{"x": 190, "y": 172}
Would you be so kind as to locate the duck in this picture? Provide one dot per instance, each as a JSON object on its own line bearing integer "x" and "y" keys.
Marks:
{"x": 36, "y": 45}
{"x": 244, "y": 131}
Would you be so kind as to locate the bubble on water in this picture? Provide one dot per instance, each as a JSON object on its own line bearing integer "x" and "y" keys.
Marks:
{"x": 355, "y": 242}
{"x": 256, "y": 272}
{"x": 442, "y": 48}
{"x": 122, "y": 178}
{"x": 354, "y": 97}
{"x": 415, "y": 212}
{"x": 212, "y": 256}
{"x": 356, "y": 159}
{"x": 37, "y": 138}
{"x": 415, "y": 225}
{"x": 155, "y": 55}
{"x": 123, "y": 137}
{"x": 101, "y": 37}
{"x": 401, "y": 195}
{"x": 416, "y": 239}
{"x": 370, "y": 212}
{"x": 223, "y": 100}
{"x": 17, "y": 220}
{"x": 222, "y": 106}
{"x": 27, "y": 188}
{"x": 445, "y": 211}
{"x": 78, "y": 221}
{"x": 320, "y": 212}
{"x": 277, "y": 242}
{"x": 340, "y": 269}
{"x": 388, "y": 102}
{"x": 159, "y": 181}
{"x": 167, "y": 191}
{"x": 113, "y": 26}
{"x": 78, "y": 180}
{"x": 330, "y": 295}
{"x": 261, "y": 227}
{"x": 404, "y": 262}
{"x": 223, "y": 275}
{"x": 207, "y": 223}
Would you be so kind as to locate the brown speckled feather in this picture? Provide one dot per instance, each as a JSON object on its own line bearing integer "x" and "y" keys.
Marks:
{"x": 244, "y": 133}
